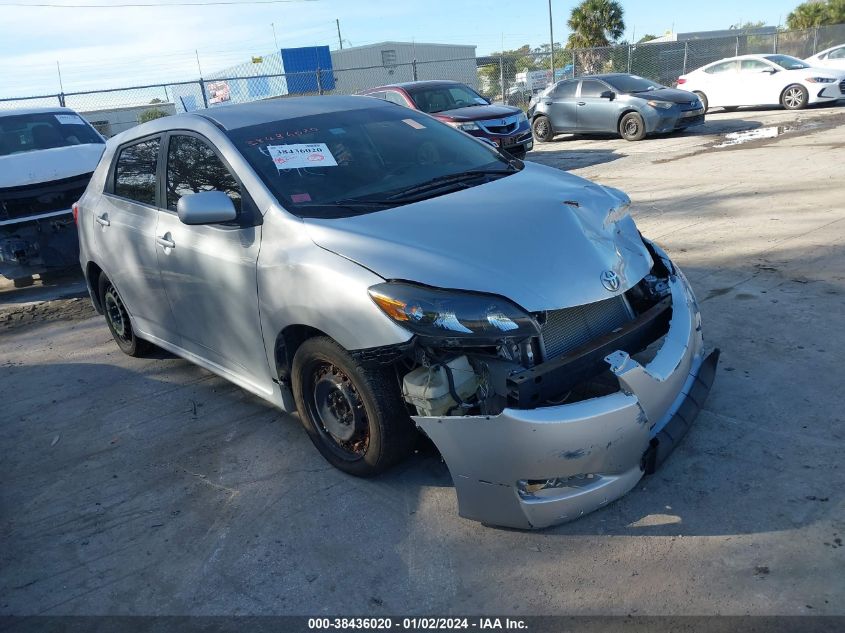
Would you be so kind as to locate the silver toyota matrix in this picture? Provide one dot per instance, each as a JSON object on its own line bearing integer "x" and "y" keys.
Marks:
{"x": 382, "y": 273}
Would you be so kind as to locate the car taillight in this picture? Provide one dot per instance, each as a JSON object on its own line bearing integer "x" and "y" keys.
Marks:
{"x": 682, "y": 80}
{"x": 75, "y": 209}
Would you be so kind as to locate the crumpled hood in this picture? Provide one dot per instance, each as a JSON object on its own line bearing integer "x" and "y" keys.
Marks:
{"x": 521, "y": 237}
{"x": 44, "y": 165}
{"x": 477, "y": 113}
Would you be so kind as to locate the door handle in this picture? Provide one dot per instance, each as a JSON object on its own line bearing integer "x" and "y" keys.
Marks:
{"x": 547, "y": 102}
{"x": 582, "y": 103}
{"x": 165, "y": 241}
{"x": 102, "y": 220}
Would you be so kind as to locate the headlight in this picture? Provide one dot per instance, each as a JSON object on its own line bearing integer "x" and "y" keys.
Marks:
{"x": 465, "y": 127}
{"x": 448, "y": 314}
{"x": 521, "y": 118}
{"x": 661, "y": 105}
{"x": 820, "y": 80}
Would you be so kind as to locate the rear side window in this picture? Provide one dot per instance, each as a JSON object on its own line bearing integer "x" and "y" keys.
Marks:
{"x": 724, "y": 67}
{"x": 838, "y": 53}
{"x": 395, "y": 97}
{"x": 565, "y": 89}
{"x": 592, "y": 88}
{"x": 135, "y": 171}
{"x": 193, "y": 166}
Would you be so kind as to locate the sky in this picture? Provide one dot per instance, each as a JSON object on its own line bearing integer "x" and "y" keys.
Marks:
{"x": 108, "y": 46}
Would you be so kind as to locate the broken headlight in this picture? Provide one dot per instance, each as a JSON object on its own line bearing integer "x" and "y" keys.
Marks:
{"x": 447, "y": 314}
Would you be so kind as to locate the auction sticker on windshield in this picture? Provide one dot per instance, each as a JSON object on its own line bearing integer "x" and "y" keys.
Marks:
{"x": 299, "y": 155}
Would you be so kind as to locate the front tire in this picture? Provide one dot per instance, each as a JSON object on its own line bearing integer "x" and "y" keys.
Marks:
{"x": 119, "y": 321}
{"x": 795, "y": 97}
{"x": 542, "y": 129}
{"x": 632, "y": 127}
{"x": 354, "y": 415}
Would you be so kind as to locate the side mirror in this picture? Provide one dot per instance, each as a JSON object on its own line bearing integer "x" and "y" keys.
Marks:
{"x": 771, "y": 71}
{"x": 608, "y": 94}
{"x": 206, "y": 207}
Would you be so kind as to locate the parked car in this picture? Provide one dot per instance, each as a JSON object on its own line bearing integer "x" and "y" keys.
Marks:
{"x": 833, "y": 57}
{"x": 379, "y": 271}
{"x": 47, "y": 156}
{"x": 628, "y": 105}
{"x": 460, "y": 106}
{"x": 758, "y": 80}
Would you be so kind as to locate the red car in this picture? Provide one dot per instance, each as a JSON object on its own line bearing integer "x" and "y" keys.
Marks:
{"x": 460, "y": 106}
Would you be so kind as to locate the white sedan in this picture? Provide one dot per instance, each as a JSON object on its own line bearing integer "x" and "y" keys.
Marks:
{"x": 830, "y": 58}
{"x": 755, "y": 80}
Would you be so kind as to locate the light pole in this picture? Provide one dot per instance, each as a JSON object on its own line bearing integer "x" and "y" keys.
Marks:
{"x": 551, "y": 43}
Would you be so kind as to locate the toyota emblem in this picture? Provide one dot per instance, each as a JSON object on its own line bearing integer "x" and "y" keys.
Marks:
{"x": 610, "y": 280}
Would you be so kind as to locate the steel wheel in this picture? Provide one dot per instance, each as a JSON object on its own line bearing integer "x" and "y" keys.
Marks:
{"x": 542, "y": 128}
{"x": 794, "y": 97}
{"x": 337, "y": 410}
{"x": 632, "y": 127}
{"x": 118, "y": 319}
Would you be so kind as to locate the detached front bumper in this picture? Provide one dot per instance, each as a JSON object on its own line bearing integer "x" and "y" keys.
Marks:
{"x": 33, "y": 244}
{"x": 532, "y": 468}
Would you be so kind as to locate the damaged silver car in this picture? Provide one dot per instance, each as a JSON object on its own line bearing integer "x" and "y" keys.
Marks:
{"x": 380, "y": 272}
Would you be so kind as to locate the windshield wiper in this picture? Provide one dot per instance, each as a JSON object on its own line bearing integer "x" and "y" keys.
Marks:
{"x": 449, "y": 179}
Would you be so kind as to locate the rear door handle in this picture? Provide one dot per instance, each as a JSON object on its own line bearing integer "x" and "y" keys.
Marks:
{"x": 102, "y": 220}
{"x": 582, "y": 103}
{"x": 165, "y": 241}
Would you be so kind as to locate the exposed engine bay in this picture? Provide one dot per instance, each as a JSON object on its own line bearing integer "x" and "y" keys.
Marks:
{"x": 565, "y": 364}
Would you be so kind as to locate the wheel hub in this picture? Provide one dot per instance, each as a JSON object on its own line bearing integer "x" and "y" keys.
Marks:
{"x": 338, "y": 406}
{"x": 114, "y": 311}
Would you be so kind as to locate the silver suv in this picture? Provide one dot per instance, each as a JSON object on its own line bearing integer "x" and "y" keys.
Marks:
{"x": 380, "y": 272}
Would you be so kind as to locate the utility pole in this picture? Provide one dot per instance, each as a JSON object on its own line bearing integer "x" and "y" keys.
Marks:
{"x": 551, "y": 43}
{"x": 339, "y": 39}
{"x": 199, "y": 68}
{"x": 59, "y": 69}
{"x": 275, "y": 41}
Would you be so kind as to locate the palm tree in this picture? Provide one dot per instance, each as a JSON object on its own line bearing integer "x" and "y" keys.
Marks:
{"x": 595, "y": 23}
{"x": 807, "y": 15}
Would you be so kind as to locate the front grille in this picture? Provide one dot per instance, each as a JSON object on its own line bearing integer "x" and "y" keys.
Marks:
{"x": 21, "y": 202}
{"x": 500, "y": 126}
{"x": 566, "y": 329}
{"x": 842, "y": 87}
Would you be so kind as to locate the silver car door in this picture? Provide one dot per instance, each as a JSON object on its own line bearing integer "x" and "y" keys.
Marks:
{"x": 560, "y": 106}
{"x": 209, "y": 271}
{"x": 124, "y": 228}
{"x": 595, "y": 113}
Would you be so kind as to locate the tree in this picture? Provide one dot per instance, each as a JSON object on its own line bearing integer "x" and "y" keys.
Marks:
{"x": 813, "y": 13}
{"x": 595, "y": 23}
{"x": 151, "y": 114}
{"x": 646, "y": 38}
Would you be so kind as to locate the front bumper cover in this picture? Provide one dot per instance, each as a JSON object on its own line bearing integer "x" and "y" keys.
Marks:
{"x": 596, "y": 449}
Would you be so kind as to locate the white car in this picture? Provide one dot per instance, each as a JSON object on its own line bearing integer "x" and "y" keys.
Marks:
{"x": 830, "y": 58}
{"x": 47, "y": 156}
{"x": 756, "y": 80}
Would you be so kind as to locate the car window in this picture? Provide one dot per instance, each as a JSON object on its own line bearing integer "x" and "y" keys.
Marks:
{"x": 46, "y": 130}
{"x": 447, "y": 97}
{"x": 357, "y": 161}
{"x": 753, "y": 65}
{"x": 395, "y": 97}
{"x": 135, "y": 171}
{"x": 838, "y": 53}
{"x": 592, "y": 88}
{"x": 724, "y": 67}
{"x": 378, "y": 95}
{"x": 565, "y": 89}
{"x": 787, "y": 62}
{"x": 193, "y": 166}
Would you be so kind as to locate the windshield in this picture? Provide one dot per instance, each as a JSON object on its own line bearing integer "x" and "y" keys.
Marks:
{"x": 627, "y": 84}
{"x": 786, "y": 62}
{"x": 359, "y": 161}
{"x": 447, "y": 97}
{"x": 46, "y": 130}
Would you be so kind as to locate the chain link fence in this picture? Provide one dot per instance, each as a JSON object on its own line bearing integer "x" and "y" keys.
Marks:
{"x": 501, "y": 78}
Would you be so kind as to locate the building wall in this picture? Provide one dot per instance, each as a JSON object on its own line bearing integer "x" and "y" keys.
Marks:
{"x": 116, "y": 120}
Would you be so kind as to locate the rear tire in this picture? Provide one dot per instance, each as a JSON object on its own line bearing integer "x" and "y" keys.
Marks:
{"x": 119, "y": 321}
{"x": 632, "y": 127}
{"x": 354, "y": 415}
{"x": 542, "y": 129}
{"x": 703, "y": 98}
{"x": 794, "y": 97}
